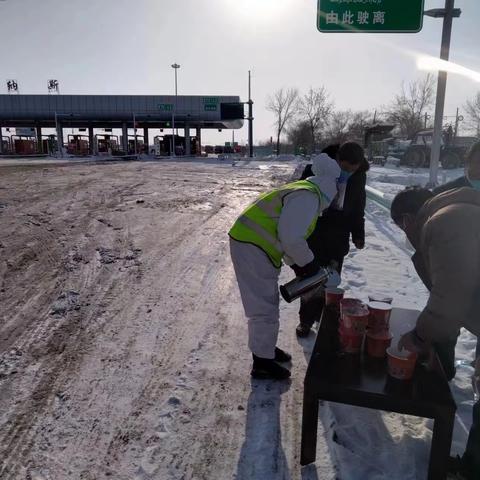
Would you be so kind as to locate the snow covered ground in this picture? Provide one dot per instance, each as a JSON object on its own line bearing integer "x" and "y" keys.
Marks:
{"x": 123, "y": 343}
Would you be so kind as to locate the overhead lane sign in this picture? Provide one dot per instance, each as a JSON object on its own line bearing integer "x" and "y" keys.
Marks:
{"x": 370, "y": 16}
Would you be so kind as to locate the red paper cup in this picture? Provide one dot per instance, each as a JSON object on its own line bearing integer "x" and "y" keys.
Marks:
{"x": 380, "y": 298}
{"x": 379, "y": 316}
{"x": 350, "y": 303}
{"x": 377, "y": 344}
{"x": 333, "y": 296}
{"x": 355, "y": 321}
{"x": 401, "y": 365}
{"x": 350, "y": 342}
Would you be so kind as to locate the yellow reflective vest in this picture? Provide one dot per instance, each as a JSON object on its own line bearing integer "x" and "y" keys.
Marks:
{"x": 258, "y": 223}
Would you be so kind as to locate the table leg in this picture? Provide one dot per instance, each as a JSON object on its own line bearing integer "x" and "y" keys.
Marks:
{"x": 309, "y": 427}
{"x": 441, "y": 445}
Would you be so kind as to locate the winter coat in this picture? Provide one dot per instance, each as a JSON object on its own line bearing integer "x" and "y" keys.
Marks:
{"x": 458, "y": 183}
{"x": 331, "y": 237}
{"x": 447, "y": 259}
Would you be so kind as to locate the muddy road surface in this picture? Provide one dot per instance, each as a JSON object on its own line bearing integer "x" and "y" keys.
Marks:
{"x": 122, "y": 339}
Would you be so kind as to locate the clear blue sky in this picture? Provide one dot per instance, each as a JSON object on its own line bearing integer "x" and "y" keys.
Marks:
{"x": 127, "y": 46}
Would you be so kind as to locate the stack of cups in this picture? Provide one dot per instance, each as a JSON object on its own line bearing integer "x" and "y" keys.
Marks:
{"x": 379, "y": 337}
{"x": 353, "y": 324}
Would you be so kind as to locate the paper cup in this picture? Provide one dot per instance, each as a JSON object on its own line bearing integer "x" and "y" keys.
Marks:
{"x": 355, "y": 321}
{"x": 350, "y": 342}
{"x": 379, "y": 316}
{"x": 333, "y": 296}
{"x": 380, "y": 298}
{"x": 377, "y": 344}
{"x": 349, "y": 304}
{"x": 401, "y": 364}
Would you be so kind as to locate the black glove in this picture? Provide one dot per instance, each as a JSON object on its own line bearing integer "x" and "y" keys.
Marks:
{"x": 307, "y": 270}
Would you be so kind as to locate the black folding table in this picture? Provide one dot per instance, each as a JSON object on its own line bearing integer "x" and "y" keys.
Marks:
{"x": 363, "y": 381}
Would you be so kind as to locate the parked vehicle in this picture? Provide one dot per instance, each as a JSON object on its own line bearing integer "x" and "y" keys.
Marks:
{"x": 452, "y": 153}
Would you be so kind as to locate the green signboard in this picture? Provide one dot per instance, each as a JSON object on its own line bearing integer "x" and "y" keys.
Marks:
{"x": 210, "y": 100}
{"x": 370, "y": 16}
{"x": 165, "y": 107}
{"x": 210, "y": 108}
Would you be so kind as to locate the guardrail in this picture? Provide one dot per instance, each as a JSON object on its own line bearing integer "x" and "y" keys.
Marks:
{"x": 378, "y": 197}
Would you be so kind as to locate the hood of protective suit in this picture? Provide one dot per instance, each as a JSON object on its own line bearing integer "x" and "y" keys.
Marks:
{"x": 326, "y": 172}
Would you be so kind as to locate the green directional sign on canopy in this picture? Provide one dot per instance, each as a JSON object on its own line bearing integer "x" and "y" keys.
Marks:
{"x": 165, "y": 107}
{"x": 370, "y": 16}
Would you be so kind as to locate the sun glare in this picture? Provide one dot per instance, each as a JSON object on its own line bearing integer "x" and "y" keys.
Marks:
{"x": 425, "y": 62}
{"x": 263, "y": 10}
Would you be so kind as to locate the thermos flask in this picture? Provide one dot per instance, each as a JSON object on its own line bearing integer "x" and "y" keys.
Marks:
{"x": 301, "y": 285}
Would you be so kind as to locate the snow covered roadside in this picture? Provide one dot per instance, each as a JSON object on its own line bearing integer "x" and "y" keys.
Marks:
{"x": 149, "y": 378}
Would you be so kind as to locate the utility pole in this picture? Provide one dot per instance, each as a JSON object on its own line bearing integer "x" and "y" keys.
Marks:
{"x": 447, "y": 13}
{"x": 250, "y": 116}
{"x": 175, "y": 66}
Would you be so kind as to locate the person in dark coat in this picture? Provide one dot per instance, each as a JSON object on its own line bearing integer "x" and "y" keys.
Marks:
{"x": 330, "y": 241}
{"x": 471, "y": 179}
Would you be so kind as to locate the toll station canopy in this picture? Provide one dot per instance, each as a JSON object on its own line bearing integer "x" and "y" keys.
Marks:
{"x": 116, "y": 111}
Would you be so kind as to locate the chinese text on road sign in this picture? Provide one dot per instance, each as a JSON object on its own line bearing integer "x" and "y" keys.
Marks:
{"x": 373, "y": 16}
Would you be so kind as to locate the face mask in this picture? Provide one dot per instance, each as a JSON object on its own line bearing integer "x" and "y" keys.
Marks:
{"x": 475, "y": 184}
{"x": 344, "y": 176}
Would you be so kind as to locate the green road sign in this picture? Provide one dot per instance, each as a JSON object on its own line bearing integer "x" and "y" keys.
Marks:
{"x": 370, "y": 16}
{"x": 210, "y": 108}
{"x": 165, "y": 107}
{"x": 210, "y": 100}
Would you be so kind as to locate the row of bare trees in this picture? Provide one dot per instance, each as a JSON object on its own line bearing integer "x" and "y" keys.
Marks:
{"x": 310, "y": 120}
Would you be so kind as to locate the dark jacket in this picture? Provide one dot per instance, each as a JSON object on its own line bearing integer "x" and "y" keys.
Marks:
{"x": 331, "y": 237}
{"x": 447, "y": 259}
{"x": 458, "y": 183}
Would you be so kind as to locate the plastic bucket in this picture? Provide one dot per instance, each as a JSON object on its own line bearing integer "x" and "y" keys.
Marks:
{"x": 350, "y": 342}
{"x": 401, "y": 365}
{"x": 377, "y": 344}
{"x": 333, "y": 296}
{"x": 379, "y": 316}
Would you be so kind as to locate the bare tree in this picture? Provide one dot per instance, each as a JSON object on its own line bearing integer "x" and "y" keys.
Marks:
{"x": 283, "y": 104}
{"x": 409, "y": 107}
{"x": 472, "y": 108}
{"x": 315, "y": 108}
{"x": 300, "y": 137}
{"x": 346, "y": 125}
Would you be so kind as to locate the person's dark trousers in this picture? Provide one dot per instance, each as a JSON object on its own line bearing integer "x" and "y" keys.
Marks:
{"x": 446, "y": 354}
{"x": 471, "y": 457}
{"x": 311, "y": 305}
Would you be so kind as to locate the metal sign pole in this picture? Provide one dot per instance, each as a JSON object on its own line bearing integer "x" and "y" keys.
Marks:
{"x": 441, "y": 89}
{"x": 250, "y": 116}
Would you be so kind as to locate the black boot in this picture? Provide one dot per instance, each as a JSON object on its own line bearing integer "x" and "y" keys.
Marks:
{"x": 266, "y": 368}
{"x": 302, "y": 330}
{"x": 282, "y": 356}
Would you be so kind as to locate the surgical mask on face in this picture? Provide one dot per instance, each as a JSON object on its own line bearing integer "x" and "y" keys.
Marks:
{"x": 344, "y": 176}
{"x": 474, "y": 183}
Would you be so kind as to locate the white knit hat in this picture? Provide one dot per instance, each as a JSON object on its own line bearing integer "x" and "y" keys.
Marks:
{"x": 327, "y": 172}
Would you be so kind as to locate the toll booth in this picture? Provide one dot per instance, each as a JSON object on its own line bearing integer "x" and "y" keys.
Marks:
{"x": 7, "y": 145}
{"x": 77, "y": 145}
{"x": 106, "y": 144}
{"x": 49, "y": 144}
{"x": 164, "y": 145}
{"x": 24, "y": 145}
{"x": 141, "y": 147}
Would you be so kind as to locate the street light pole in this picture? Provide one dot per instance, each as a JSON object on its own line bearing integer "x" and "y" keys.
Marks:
{"x": 448, "y": 13}
{"x": 175, "y": 66}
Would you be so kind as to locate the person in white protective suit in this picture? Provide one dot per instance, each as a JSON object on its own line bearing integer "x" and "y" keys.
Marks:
{"x": 273, "y": 229}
